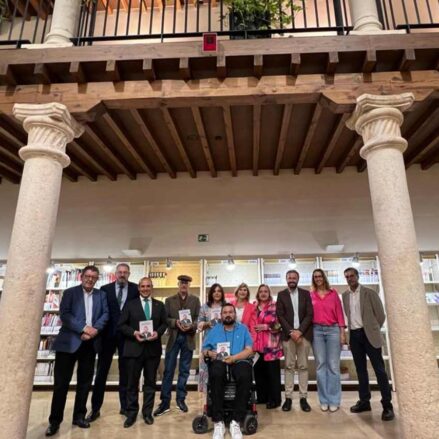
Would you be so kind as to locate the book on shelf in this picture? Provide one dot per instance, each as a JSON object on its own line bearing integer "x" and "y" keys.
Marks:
{"x": 52, "y": 301}
{"x": 432, "y": 298}
{"x": 159, "y": 278}
{"x": 50, "y": 324}
{"x": 45, "y": 345}
{"x": 44, "y": 372}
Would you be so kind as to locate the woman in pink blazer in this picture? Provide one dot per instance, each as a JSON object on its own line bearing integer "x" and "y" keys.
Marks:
{"x": 245, "y": 311}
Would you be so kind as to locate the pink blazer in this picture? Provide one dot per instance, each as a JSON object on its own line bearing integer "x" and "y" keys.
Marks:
{"x": 249, "y": 318}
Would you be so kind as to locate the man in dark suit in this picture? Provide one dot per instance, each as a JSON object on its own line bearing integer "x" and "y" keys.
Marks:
{"x": 84, "y": 313}
{"x": 295, "y": 313}
{"x": 140, "y": 351}
{"x": 181, "y": 342}
{"x": 119, "y": 293}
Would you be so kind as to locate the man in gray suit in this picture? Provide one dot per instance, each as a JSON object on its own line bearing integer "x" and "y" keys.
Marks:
{"x": 365, "y": 314}
{"x": 181, "y": 342}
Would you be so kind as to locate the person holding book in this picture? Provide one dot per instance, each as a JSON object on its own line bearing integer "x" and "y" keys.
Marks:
{"x": 143, "y": 322}
{"x": 295, "y": 313}
{"x": 245, "y": 310}
{"x": 329, "y": 336}
{"x": 210, "y": 315}
{"x": 181, "y": 342}
{"x": 236, "y": 338}
{"x": 366, "y": 316}
{"x": 83, "y": 313}
{"x": 119, "y": 294}
{"x": 269, "y": 346}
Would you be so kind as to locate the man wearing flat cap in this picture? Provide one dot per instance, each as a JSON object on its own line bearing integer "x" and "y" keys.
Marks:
{"x": 181, "y": 341}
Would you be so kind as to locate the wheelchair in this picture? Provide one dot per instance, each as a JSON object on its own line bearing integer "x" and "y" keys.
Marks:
{"x": 200, "y": 424}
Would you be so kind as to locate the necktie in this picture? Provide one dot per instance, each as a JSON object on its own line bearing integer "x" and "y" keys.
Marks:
{"x": 119, "y": 295}
{"x": 146, "y": 310}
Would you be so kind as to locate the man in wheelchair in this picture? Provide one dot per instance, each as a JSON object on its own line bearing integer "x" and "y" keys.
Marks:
{"x": 236, "y": 337}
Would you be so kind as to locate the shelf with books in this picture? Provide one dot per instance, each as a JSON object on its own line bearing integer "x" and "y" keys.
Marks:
{"x": 274, "y": 270}
{"x": 164, "y": 273}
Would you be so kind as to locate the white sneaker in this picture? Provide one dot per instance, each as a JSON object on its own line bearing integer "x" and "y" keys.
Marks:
{"x": 324, "y": 407}
{"x": 219, "y": 430}
{"x": 235, "y": 430}
{"x": 333, "y": 408}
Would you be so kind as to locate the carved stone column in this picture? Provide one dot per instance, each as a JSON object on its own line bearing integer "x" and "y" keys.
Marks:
{"x": 50, "y": 127}
{"x": 364, "y": 16}
{"x": 378, "y": 120}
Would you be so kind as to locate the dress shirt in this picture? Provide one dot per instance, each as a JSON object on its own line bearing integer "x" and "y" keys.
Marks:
{"x": 328, "y": 310}
{"x": 355, "y": 309}
{"x": 295, "y": 301}
{"x": 88, "y": 302}
{"x": 124, "y": 293}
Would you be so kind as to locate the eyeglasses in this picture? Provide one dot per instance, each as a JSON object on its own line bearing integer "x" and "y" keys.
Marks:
{"x": 87, "y": 277}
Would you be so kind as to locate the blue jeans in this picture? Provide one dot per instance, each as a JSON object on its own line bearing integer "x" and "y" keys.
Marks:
{"x": 326, "y": 347}
{"x": 180, "y": 346}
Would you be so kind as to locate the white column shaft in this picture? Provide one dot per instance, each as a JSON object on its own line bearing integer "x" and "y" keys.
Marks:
{"x": 364, "y": 16}
{"x": 64, "y": 22}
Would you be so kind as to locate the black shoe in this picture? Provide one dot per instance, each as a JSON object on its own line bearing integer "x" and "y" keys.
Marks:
{"x": 287, "y": 405}
{"x": 81, "y": 423}
{"x": 161, "y": 410}
{"x": 272, "y": 405}
{"x": 129, "y": 422}
{"x": 123, "y": 412}
{"x": 52, "y": 429}
{"x": 93, "y": 416}
{"x": 304, "y": 405}
{"x": 182, "y": 406}
{"x": 361, "y": 406}
{"x": 388, "y": 414}
{"x": 148, "y": 419}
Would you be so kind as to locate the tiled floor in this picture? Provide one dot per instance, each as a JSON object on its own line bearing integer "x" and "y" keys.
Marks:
{"x": 176, "y": 425}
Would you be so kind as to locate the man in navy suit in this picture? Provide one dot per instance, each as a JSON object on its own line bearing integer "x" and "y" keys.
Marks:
{"x": 119, "y": 293}
{"x": 83, "y": 313}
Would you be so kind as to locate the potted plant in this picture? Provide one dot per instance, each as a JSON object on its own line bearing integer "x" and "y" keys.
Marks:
{"x": 4, "y": 10}
{"x": 246, "y": 15}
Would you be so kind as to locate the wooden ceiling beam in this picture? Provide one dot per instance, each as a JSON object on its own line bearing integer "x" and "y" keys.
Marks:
{"x": 7, "y": 75}
{"x": 256, "y": 137}
{"x": 355, "y": 148}
{"x": 228, "y": 125}
{"x": 286, "y": 118}
{"x": 341, "y": 125}
{"x": 11, "y": 165}
{"x": 331, "y": 65}
{"x": 196, "y": 113}
{"x": 309, "y": 137}
{"x": 122, "y": 136}
{"x": 107, "y": 4}
{"x": 112, "y": 70}
{"x": 80, "y": 168}
{"x": 221, "y": 69}
{"x": 423, "y": 122}
{"x": 178, "y": 142}
{"x": 10, "y": 151}
{"x": 370, "y": 61}
{"x": 70, "y": 175}
{"x": 422, "y": 152}
{"x": 135, "y": 114}
{"x": 407, "y": 60}
{"x": 148, "y": 69}
{"x": 428, "y": 163}
{"x": 258, "y": 65}
{"x": 184, "y": 69}
{"x": 361, "y": 167}
{"x": 295, "y": 64}
{"x": 13, "y": 177}
{"x": 77, "y": 73}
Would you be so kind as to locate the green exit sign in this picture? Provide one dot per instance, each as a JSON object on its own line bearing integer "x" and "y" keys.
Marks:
{"x": 204, "y": 237}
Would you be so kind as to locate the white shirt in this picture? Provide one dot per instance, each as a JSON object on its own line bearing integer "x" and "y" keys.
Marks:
{"x": 88, "y": 302}
{"x": 355, "y": 309}
{"x": 295, "y": 301}
{"x": 239, "y": 313}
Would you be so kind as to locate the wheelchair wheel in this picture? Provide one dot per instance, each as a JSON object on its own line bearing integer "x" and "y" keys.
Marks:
{"x": 200, "y": 424}
{"x": 250, "y": 425}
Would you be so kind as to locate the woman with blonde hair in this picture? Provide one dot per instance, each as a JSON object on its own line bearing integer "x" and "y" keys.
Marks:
{"x": 329, "y": 336}
{"x": 245, "y": 310}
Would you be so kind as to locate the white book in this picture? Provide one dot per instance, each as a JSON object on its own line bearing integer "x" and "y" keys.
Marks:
{"x": 146, "y": 328}
{"x": 185, "y": 317}
{"x": 222, "y": 350}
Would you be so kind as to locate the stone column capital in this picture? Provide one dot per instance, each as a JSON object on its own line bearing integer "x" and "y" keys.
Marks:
{"x": 50, "y": 128}
{"x": 378, "y": 118}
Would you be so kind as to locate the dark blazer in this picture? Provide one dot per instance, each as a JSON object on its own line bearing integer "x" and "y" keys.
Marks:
{"x": 172, "y": 305}
{"x": 113, "y": 305}
{"x": 72, "y": 314}
{"x": 285, "y": 313}
{"x": 132, "y": 314}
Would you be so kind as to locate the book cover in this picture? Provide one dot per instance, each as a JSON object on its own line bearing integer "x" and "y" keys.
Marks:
{"x": 215, "y": 315}
{"x": 185, "y": 317}
{"x": 146, "y": 328}
{"x": 222, "y": 350}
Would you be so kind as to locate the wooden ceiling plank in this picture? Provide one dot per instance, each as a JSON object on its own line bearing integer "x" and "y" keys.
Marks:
{"x": 352, "y": 151}
{"x": 309, "y": 137}
{"x": 228, "y": 124}
{"x": 196, "y": 113}
{"x": 221, "y": 70}
{"x": 178, "y": 142}
{"x": 10, "y": 151}
{"x": 258, "y": 65}
{"x": 77, "y": 73}
{"x": 153, "y": 143}
{"x": 79, "y": 167}
{"x": 118, "y": 164}
{"x": 422, "y": 152}
{"x": 119, "y": 131}
{"x": 11, "y": 135}
{"x": 256, "y": 137}
{"x": 70, "y": 174}
{"x": 333, "y": 142}
{"x": 148, "y": 69}
{"x": 7, "y": 75}
{"x": 332, "y": 63}
{"x": 286, "y": 118}
{"x": 11, "y": 165}
{"x": 184, "y": 69}
{"x": 295, "y": 64}
{"x": 407, "y": 60}
{"x": 428, "y": 163}
{"x": 8, "y": 175}
{"x": 370, "y": 61}
{"x": 112, "y": 70}
{"x": 105, "y": 3}
{"x": 422, "y": 123}
{"x": 42, "y": 73}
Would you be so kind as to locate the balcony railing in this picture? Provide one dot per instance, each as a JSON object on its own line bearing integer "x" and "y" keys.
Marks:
{"x": 106, "y": 21}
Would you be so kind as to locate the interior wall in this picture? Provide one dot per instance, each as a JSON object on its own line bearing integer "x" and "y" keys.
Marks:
{"x": 244, "y": 215}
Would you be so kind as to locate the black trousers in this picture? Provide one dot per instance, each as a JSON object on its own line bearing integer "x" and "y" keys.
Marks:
{"x": 105, "y": 358}
{"x": 361, "y": 347}
{"x": 64, "y": 365}
{"x": 149, "y": 365}
{"x": 242, "y": 373}
{"x": 267, "y": 378}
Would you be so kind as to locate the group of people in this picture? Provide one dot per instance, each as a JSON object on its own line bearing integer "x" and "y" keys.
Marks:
{"x": 238, "y": 336}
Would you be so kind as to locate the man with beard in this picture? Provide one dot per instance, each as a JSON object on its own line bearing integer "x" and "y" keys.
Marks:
{"x": 229, "y": 331}
{"x": 119, "y": 293}
{"x": 295, "y": 313}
